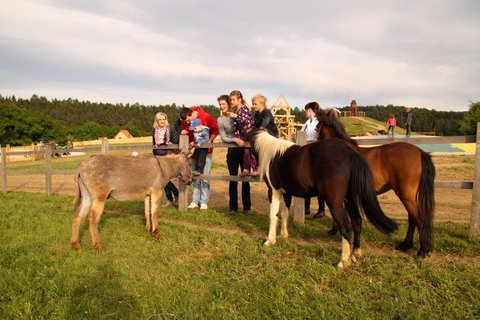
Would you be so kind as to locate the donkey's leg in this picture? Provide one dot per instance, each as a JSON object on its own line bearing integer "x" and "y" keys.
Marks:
{"x": 79, "y": 216}
{"x": 148, "y": 214}
{"x": 95, "y": 214}
{"x": 274, "y": 207}
{"x": 155, "y": 204}
{"x": 287, "y": 199}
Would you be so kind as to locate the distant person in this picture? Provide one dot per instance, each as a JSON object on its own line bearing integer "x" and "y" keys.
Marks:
{"x": 244, "y": 123}
{"x": 229, "y": 134}
{"x": 201, "y": 135}
{"x": 310, "y": 129}
{"x": 201, "y": 187}
{"x": 408, "y": 121}
{"x": 163, "y": 135}
{"x": 263, "y": 117}
{"x": 391, "y": 124}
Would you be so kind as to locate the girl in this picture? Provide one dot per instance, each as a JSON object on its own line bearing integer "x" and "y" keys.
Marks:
{"x": 263, "y": 116}
{"x": 161, "y": 135}
{"x": 244, "y": 123}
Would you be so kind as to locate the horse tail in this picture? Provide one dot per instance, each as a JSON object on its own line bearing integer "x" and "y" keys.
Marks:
{"x": 362, "y": 190}
{"x": 426, "y": 200}
{"x": 78, "y": 193}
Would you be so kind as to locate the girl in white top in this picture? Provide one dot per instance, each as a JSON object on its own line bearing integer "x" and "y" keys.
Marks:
{"x": 310, "y": 126}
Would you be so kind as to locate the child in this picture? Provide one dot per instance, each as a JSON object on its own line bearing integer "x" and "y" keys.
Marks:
{"x": 201, "y": 135}
{"x": 391, "y": 124}
{"x": 161, "y": 135}
{"x": 263, "y": 117}
{"x": 244, "y": 123}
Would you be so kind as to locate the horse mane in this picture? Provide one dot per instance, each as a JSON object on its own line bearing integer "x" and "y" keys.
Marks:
{"x": 268, "y": 147}
{"x": 328, "y": 118}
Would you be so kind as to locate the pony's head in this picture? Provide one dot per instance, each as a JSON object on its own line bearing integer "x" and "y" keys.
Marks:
{"x": 267, "y": 147}
{"x": 186, "y": 168}
{"x": 329, "y": 126}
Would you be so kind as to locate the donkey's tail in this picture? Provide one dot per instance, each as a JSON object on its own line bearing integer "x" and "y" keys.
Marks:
{"x": 426, "y": 200}
{"x": 363, "y": 191}
{"x": 78, "y": 193}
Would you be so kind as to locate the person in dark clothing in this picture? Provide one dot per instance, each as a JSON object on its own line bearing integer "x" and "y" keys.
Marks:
{"x": 408, "y": 121}
{"x": 162, "y": 134}
{"x": 235, "y": 157}
{"x": 263, "y": 117}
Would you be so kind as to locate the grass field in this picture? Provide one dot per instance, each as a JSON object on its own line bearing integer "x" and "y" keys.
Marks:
{"x": 210, "y": 265}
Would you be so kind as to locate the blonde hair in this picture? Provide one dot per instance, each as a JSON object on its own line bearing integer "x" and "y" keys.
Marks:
{"x": 238, "y": 94}
{"x": 158, "y": 115}
{"x": 263, "y": 100}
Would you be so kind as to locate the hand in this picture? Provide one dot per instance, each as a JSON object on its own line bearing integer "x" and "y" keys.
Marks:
{"x": 184, "y": 132}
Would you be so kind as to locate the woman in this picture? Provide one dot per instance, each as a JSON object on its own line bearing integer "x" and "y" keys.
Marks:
{"x": 310, "y": 128}
{"x": 162, "y": 134}
{"x": 235, "y": 156}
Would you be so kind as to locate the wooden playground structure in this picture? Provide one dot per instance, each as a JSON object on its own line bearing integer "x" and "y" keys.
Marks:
{"x": 285, "y": 121}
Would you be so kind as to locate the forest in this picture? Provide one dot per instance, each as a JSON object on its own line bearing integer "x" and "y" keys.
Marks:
{"x": 26, "y": 121}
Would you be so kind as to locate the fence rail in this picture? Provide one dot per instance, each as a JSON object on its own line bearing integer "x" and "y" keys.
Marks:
{"x": 298, "y": 208}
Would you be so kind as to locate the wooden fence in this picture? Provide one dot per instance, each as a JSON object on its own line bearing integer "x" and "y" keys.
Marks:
{"x": 298, "y": 207}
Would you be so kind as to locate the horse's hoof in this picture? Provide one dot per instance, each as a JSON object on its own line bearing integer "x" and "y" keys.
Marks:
{"x": 344, "y": 264}
{"x": 156, "y": 234}
{"x": 422, "y": 254}
{"x": 75, "y": 246}
{"x": 404, "y": 246}
{"x": 285, "y": 235}
{"x": 268, "y": 243}
{"x": 357, "y": 253}
{"x": 332, "y": 232}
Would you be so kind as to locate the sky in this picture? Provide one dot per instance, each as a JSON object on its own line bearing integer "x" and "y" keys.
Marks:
{"x": 423, "y": 54}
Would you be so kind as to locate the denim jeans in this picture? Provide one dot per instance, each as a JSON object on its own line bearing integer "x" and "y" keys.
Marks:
{"x": 201, "y": 188}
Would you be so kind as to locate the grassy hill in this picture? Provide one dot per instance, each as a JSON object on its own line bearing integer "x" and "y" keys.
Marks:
{"x": 359, "y": 126}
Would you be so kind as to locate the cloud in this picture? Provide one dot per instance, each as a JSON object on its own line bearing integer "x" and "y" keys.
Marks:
{"x": 377, "y": 52}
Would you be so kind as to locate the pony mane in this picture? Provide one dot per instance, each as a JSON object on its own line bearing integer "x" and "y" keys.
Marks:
{"x": 328, "y": 118}
{"x": 267, "y": 148}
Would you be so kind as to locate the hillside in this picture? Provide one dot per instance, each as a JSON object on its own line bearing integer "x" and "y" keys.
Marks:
{"x": 361, "y": 126}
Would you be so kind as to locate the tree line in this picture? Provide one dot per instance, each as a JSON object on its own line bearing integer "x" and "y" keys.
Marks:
{"x": 26, "y": 121}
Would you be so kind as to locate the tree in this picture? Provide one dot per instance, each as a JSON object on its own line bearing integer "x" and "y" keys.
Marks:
{"x": 468, "y": 125}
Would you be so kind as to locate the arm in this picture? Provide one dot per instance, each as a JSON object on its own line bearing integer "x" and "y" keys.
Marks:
{"x": 221, "y": 129}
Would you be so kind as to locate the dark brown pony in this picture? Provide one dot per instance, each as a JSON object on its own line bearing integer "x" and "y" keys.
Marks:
{"x": 331, "y": 168}
{"x": 402, "y": 167}
{"x": 124, "y": 178}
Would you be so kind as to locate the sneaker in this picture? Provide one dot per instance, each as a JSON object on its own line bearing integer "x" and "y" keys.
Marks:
{"x": 192, "y": 205}
{"x": 233, "y": 212}
{"x": 319, "y": 214}
{"x": 203, "y": 206}
{"x": 196, "y": 173}
{"x": 249, "y": 212}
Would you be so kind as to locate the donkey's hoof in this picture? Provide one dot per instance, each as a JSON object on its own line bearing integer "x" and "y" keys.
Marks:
{"x": 148, "y": 228}
{"x": 75, "y": 246}
{"x": 99, "y": 247}
{"x": 156, "y": 234}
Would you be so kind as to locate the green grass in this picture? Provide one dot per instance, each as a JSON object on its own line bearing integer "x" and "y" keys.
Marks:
{"x": 209, "y": 265}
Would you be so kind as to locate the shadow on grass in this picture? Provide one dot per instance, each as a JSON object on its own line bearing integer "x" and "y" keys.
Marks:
{"x": 100, "y": 295}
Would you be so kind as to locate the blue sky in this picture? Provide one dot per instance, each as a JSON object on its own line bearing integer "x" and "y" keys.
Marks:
{"x": 402, "y": 52}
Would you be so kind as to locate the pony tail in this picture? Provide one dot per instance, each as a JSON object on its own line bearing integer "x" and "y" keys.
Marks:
{"x": 426, "y": 201}
{"x": 363, "y": 191}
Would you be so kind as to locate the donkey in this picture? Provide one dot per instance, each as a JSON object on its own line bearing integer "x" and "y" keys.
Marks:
{"x": 124, "y": 178}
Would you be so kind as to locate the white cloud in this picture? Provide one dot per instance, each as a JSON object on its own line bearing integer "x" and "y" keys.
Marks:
{"x": 401, "y": 52}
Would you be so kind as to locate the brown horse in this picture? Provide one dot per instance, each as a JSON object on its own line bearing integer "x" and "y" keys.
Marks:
{"x": 330, "y": 168}
{"x": 124, "y": 178}
{"x": 402, "y": 167}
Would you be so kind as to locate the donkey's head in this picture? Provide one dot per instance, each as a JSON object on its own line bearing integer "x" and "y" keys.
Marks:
{"x": 186, "y": 168}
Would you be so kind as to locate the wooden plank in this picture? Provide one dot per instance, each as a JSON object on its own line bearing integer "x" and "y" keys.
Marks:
{"x": 48, "y": 169}
{"x": 4, "y": 169}
{"x": 299, "y": 203}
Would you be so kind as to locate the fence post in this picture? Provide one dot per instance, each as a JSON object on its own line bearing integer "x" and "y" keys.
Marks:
{"x": 4, "y": 169}
{"x": 299, "y": 203}
{"x": 104, "y": 146}
{"x": 475, "y": 217}
{"x": 182, "y": 187}
{"x": 48, "y": 168}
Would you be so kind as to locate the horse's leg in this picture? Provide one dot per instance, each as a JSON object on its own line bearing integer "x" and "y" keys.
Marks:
{"x": 284, "y": 215}
{"x": 356, "y": 220}
{"x": 148, "y": 214}
{"x": 80, "y": 213}
{"x": 340, "y": 216}
{"x": 156, "y": 197}
{"x": 407, "y": 243}
{"x": 95, "y": 214}
{"x": 274, "y": 207}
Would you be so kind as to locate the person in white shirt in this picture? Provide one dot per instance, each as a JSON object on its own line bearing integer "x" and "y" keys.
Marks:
{"x": 310, "y": 128}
